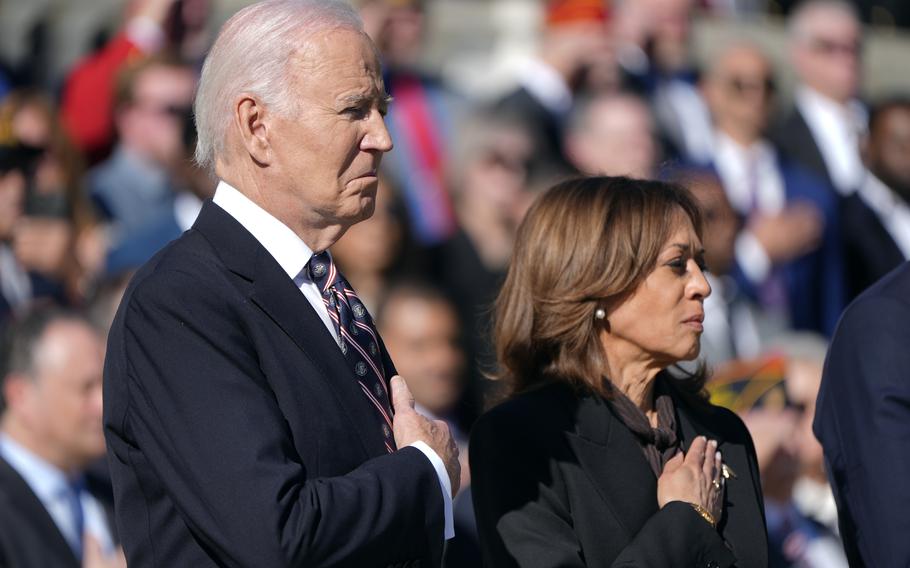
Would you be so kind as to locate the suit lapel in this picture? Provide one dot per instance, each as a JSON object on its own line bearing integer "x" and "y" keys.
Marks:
{"x": 24, "y": 501}
{"x": 280, "y": 299}
{"x": 611, "y": 456}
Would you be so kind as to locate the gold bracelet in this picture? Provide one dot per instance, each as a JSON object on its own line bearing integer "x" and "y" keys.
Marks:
{"x": 705, "y": 514}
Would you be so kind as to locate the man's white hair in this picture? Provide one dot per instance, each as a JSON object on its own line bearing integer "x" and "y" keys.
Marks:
{"x": 800, "y": 24}
{"x": 253, "y": 54}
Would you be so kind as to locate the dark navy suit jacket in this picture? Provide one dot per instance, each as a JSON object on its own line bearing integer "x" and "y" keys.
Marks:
{"x": 237, "y": 435}
{"x": 862, "y": 419}
{"x": 815, "y": 285}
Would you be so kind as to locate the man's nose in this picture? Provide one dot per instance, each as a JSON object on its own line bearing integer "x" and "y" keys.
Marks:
{"x": 377, "y": 136}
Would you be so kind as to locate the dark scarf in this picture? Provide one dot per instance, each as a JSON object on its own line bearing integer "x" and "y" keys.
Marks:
{"x": 658, "y": 444}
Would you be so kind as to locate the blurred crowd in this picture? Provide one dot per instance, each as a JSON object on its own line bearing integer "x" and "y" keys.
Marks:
{"x": 805, "y": 204}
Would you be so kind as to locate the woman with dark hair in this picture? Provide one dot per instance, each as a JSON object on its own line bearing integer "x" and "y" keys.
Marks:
{"x": 602, "y": 457}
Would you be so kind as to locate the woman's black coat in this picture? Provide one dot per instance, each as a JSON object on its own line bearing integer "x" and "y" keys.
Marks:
{"x": 558, "y": 480}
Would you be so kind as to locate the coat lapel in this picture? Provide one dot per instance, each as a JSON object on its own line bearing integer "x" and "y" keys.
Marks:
{"x": 280, "y": 299}
{"x": 611, "y": 456}
{"x": 25, "y": 503}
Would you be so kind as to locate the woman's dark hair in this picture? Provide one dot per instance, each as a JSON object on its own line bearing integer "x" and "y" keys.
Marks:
{"x": 584, "y": 244}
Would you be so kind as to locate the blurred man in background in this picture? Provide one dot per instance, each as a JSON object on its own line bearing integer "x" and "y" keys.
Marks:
{"x": 423, "y": 335}
{"x": 789, "y": 257}
{"x": 574, "y": 57}
{"x": 876, "y": 218}
{"x": 54, "y": 513}
{"x": 823, "y": 131}
{"x": 613, "y": 135}
{"x": 135, "y": 185}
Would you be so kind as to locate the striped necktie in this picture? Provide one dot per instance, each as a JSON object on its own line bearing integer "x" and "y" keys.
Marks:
{"x": 357, "y": 338}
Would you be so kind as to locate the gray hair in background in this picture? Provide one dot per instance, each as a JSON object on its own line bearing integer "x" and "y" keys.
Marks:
{"x": 800, "y": 21}
{"x": 253, "y": 54}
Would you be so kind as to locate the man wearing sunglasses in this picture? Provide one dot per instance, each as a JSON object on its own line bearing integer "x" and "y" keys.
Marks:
{"x": 824, "y": 129}
{"x": 788, "y": 257}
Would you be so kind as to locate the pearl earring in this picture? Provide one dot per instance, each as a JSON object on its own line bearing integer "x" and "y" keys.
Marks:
{"x": 600, "y": 314}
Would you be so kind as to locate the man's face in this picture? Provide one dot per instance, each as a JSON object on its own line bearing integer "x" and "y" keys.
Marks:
{"x": 152, "y": 123}
{"x": 62, "y": 401}
{"x": 618, "y": 139}
{"x": 740, "y": 92}
{"x": 889, "y": 149}
{"x": 326, "y": 153}
{"x": 422, "y": 338}
{"x": 828, "y": 57}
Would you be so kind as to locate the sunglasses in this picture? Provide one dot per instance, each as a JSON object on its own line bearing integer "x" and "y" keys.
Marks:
{"x": 831, "y": 47}
{"x": 743, "y": 86}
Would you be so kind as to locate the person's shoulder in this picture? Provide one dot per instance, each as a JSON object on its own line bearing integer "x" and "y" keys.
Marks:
{"x": 535, "y": 411}
{"x": 185, "y": 268}
{"x": 886, "y": 300}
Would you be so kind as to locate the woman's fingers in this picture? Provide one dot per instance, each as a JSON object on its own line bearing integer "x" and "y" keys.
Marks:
{"x": 695, "y": 457}
{"x": 707, "y": 465}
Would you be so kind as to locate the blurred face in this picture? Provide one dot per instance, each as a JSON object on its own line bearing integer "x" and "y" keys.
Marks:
{"x": 828, "y": 55}
{"x": 152, "y": 124}
{"x": 740, "y": 92}
{"x": 496, "y": 179}
{"x": 326, "y": 155}
{"x": 61, "y": 404}
{"x": 662, "y": 319}
{"x": 803, "y": 381}
{"x": 889, "y": 149}
{"x": 617, "y": 139}
{"x": 422, "y": 338}
{"x": 12, "y": 202}
{"x": 720, "y": 224}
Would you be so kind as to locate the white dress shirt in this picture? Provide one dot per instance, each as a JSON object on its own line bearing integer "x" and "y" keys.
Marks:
{"x": 753, "y": 183}
{"x": 837, "y": 130}
{"x": 292, "y": 254}
{"x": 52, "y": 488}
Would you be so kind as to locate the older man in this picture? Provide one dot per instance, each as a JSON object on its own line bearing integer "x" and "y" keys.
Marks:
{"x": 248, "y": 403}
{"x": 788, "y": 259}
{"x": 823, "y": 131}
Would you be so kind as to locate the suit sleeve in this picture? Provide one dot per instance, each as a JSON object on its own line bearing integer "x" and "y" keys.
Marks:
{"x": 203, "y": 415}
{"x": 523, "y": 518}
{"x": 863, "y": 422}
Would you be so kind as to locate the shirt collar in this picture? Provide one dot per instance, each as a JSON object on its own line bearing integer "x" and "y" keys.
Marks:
{"x": 46, "y": 480}
{"x": 289, "y": 250}
{"x": 812, "y": 102}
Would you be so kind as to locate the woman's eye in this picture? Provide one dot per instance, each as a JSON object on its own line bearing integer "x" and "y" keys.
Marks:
{"x": 677, "y": 264}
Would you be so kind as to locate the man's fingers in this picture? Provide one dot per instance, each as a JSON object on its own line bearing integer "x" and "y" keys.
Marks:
{"x": 402, "y": 399}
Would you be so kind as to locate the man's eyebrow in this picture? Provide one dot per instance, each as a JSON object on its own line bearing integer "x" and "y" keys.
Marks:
{"x": 360, "y": 98}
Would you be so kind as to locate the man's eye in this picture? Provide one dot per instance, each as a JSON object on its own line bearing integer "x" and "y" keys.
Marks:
{"x": 357, "y": 112}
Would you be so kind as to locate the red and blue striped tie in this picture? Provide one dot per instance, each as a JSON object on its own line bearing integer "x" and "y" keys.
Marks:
{"x": 357, "y": 336}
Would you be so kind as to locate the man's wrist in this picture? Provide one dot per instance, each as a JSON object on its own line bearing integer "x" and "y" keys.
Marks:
{"x": 444, "y": 483}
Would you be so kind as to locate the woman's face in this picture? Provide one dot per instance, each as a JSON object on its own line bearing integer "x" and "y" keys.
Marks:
{"x": 662, "y": 319}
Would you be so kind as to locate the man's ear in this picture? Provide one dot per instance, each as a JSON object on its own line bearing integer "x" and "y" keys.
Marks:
{"x": 252, "y": 122}
{"x": 16, "y": 388}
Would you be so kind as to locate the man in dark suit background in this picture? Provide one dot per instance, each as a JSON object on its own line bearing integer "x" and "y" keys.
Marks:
{"x": 52, "y": 511}
{"x": 789, "y": 258}
{"x": 862, "y": 419}
{"x": 248, "y": 407}
{"x": 876, "y": 219}
{"x": 823, "y": 130}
